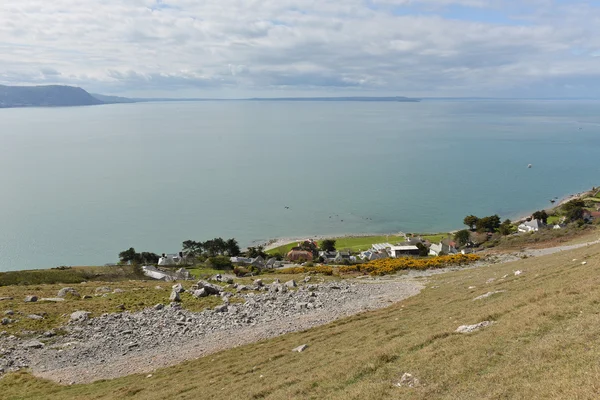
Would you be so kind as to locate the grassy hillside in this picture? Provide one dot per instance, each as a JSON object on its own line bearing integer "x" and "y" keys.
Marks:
{"x": 544, "y": 343}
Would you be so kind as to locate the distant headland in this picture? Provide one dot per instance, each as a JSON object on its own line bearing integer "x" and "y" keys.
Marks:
{"x": 69, "y": 96}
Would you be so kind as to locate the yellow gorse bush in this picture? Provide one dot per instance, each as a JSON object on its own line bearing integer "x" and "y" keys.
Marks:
{"x": 391, "y": 265}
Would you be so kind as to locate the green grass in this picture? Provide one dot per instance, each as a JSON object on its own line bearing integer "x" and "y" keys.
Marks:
{"x": 544, "y": 345}
{"x": 137, "y": 295}
{"x": 69, "y": 275}
{"x": 355, "y": 244}
{"x": 553, "y": 219}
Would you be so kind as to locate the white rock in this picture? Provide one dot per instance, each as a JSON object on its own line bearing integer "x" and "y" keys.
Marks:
{"x": 583, "y": 262}
{"x": 80, "y": 316}
{"x": 300, "y": 348}
{"x": 488, "y": 294}
{"x": 68, "y": 291}
{"x": 473, "y": 328}
{"x": 408, "y": 380}
{"x": 517, "y": 273}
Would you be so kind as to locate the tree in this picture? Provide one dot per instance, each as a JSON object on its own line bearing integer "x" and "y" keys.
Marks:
{"x": 129, "y": 256}
{"x": 488, "y": 224}
{"x": 328, "y": 245}
{"x": 192, "y": 248}
{"x": 574, "y": 214}
{"x": 148, "y": 258}
{"x": 471, "y": 221}
{"x": 257, "y": 251}
{"x": 506, "y": 228}
{"x": 541, "y": 215}
{"x": 462, "y": 237}
{"x": 575, "y": 203}
{"x": 232, "y": 248}
{"x": 423, "y": 250}
{"x": 309, "y": 245}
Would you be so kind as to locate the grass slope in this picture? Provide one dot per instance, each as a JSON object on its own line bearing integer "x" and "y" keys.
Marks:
{"x": 545, "y": 343}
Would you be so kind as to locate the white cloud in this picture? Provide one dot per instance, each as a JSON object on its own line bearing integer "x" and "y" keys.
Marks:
{"x": 242, "y": 47}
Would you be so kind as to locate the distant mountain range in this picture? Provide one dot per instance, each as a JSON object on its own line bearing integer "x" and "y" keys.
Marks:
{"x": 66, "y": 96}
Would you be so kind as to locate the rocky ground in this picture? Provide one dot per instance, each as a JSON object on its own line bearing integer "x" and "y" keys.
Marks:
{"x": 119, "y": 344}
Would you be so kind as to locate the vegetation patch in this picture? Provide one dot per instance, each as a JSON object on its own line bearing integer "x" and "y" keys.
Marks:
{"x": 544, "y": 349}
{"x": 388, "y": 266}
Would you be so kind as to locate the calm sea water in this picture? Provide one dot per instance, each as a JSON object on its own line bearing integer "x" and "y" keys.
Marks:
{"x": 79, "y": 185}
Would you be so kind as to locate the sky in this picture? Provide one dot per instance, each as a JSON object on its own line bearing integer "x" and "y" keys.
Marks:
{"x": 267, "y": 48}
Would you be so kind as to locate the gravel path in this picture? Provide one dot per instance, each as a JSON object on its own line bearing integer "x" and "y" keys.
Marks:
{"x": 115, "y": 345}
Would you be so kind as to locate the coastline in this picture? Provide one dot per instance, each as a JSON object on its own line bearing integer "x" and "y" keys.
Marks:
{"x": 282, "y": 241}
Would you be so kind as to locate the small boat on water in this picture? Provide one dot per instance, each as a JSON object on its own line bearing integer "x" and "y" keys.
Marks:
{"x": 529, "y": 166}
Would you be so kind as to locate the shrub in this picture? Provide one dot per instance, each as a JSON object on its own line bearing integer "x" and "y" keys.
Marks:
{"x": 220, "y": 262}
{"x": 392, "y": 265}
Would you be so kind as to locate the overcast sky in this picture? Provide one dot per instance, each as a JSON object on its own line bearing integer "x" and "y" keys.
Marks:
{"x": 241, "y": 48}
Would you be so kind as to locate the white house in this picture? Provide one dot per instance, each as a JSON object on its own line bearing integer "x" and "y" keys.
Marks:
{"x": 530, "y": 226}
{"x": 170, "y": 259}
{"x": 401, "y": 251}
{"x": 446, "y": 248}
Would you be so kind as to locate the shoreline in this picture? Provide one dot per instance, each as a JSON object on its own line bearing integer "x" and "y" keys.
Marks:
{"x": 282, "y": 241}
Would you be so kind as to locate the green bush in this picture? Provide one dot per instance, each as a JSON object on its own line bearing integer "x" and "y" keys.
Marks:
{"x": 220, "y": 262}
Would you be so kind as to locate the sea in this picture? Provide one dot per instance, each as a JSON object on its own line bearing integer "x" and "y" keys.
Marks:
{"x": 79, "y": 185}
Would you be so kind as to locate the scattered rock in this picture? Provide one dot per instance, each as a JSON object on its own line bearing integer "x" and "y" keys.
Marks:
{"x": 200, "y": 293}
{"x": 158, "y": 288}
{"x": 117, "y": 290}
{"x": 178, "y": 288}
{"x": 159, "y": 307}
{"x": 291, "y": 284}
{"x": 32, "y": 344}
{"x": 52, "y": 299}
{"x": 221, "y": 308}
{"x": 121, "y": 307}
{"x": 490, "y": 280}
{"x": 488, "y": 294}
{"x": 258, "y": 282}
{"x": 307, "y": 279}
{"x": 6, "y": 321}
{"x": 472, "y": 287}
{"x": 103, "y": 289}
{"x": 300, "y": 348}
{"x": 30, "y": 299}
{"x": 473, "y": 328}
{"x": 583, "y": 262}
{"x": 35, "y": 317}
{"x": 86, "y": 297}
{"x": 80, "y": 316}
{"x": 408, "y": 380}
{"x": 174, "y": 296}
{"x": 517, "y": 273}
{"x": 9, "y": 312}
{"x": 68, "y": 291}
{"x": 5, "y": 298}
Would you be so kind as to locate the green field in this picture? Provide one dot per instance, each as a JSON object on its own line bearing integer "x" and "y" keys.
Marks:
{"x": 355, "y": 244}
{"x": 543, "y": 344}
{"x": 361, "y": 243}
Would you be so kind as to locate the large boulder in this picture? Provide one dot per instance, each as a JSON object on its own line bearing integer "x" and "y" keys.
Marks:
{"x": 68, "y": 291}
{"x": 80, "y": 316}
{"x": 200, "y": 293}
{"x": 209, "y": 287}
